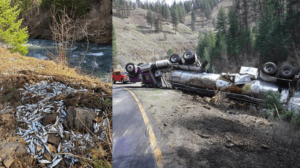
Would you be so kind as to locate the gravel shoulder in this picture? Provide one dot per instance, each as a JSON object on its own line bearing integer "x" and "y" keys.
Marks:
{"x": 199, "y": 133}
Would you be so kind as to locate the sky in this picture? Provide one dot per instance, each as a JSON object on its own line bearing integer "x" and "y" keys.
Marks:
{"x": 170, "y": 2}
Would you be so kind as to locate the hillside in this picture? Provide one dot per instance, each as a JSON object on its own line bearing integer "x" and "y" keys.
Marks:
{"x": 207, "y": 23}
{"x": 44, "y": 107}
{"x": 138, "y": 42}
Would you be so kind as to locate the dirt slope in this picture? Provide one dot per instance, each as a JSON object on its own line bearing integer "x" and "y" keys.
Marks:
{"x": 19, "y": 77}
{"x": 138, "y": 42}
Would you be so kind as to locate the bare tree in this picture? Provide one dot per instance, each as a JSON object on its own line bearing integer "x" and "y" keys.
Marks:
{"x": 63, "y": 33}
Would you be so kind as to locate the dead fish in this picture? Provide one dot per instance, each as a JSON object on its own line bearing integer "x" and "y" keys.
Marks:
{"x": 58, "y": 148}
{"x": 44, "y": 161}
{"x": 26, "y": 133}
{"x": 54, "y": 163}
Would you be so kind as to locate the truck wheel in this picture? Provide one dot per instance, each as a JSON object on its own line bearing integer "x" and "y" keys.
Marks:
{"x": 113, "y": 81}
{"x": 286, "y": 71}
{"x": 130, "y": 68}
{"x": 175, "y": 58}
{"x": 269, "y": 68}
{"x": 122, "y": 81}
{"x": 189, "y": 57}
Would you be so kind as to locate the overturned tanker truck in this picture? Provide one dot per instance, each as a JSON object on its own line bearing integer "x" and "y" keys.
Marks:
{"x": 249, "y": 85}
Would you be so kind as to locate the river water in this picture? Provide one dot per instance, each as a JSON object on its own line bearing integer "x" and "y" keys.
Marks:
{"x": 97, "y": 60}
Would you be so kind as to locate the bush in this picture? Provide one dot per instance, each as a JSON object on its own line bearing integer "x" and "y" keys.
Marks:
{"x": 296, "y": 119}
{"x": 272, "y": 101}
{"x": 170, "y": 52}
{"x": 288, "y": 115}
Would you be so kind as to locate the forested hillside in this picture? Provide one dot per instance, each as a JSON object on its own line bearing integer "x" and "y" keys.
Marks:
{"x": 90, "y": 18}
{"x": 266, "y": 30}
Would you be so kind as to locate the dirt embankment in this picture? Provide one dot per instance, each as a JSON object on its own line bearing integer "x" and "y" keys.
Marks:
{"x": 205, "y": 132}
{"x": 53, "y": 113}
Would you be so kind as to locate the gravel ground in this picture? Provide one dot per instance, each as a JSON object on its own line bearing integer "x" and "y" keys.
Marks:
{"x": 200, "y": 133}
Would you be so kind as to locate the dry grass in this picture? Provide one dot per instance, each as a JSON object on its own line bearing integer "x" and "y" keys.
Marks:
{"x": 13, "y": 65}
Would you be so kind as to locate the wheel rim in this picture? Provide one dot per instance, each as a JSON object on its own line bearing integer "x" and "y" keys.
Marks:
{"x": 287, "y": 71}
{"x": 186, "y": 56}
{"x": 269, "y": 68}
{"x": 174, "y": 59}
{"x": 130, "y": 68}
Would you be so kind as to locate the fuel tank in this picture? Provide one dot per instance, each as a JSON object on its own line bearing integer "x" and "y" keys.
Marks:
{"x": 219, "y": 82}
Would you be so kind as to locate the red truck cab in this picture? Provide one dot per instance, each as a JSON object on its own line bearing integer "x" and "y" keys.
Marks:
{"x": 120, "y": 77}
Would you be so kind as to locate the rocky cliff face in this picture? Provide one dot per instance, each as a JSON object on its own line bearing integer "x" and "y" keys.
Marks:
{"x": 95, "y": 26}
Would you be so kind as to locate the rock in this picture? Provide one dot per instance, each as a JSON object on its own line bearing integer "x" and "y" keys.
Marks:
{"x": 230, "y": 112}
{"x": 67, "y": 136}
{"x": 11, "y": 149}
{"x": 47, "y": 156}
{"x": 8, "y": 161}
{"x": 165, "y": 124}
{"x": 264, "y": 146}
{"x": 49, "y": 119}
{"x": 49, "y": 90}
{"x": 6, "y": 117}
{"x": 229, "y": 144}
{"x": 54, "y": 139}
{"x": 204, "y": 136}
{"x": 22, "y": 141}
{"x": 61, "y": 97}
{"x": 207, "y": 107}
{"x": 51, "y": 148}
{"x": 207, "y": 99}
{"x": 98, "y": 119}
{"x": 79, "y": 119}
{"x": 71, "y": 95}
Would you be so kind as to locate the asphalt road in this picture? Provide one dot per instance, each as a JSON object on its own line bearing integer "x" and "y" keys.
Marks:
{"x": 131, "y": 138}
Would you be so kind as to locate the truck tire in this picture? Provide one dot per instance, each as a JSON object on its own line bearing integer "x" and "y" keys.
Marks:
{"x": 175, "y": 58}
{"x": 114, "y": 81}
{"x": 269, "y": 68}
{"x": 286, "y": 71}
{"x": 189, "y": 57}
{"x": 130, "y": 68}
{"x": 122, "y": 81}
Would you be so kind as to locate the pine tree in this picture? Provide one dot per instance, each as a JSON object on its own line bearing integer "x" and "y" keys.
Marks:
{"x": 181, "y": 12}
{"x": 193, "y": 15}
{"x": 271, "y": 39}
{"x": 149, "y": 18}
{"x": 10, "y": 31}
{"x": 222, "y": 21}
{"x": 167, "y": 12}
{"x": 188, "y": 6}
{"x": 232, "y": 34}
{"x": 114, "y": 43}
{"x": 207, "y": 10}
{"x": 114, "y": 47}
{"x": 157, "y": 23}
{"x": 206, "y": 56}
